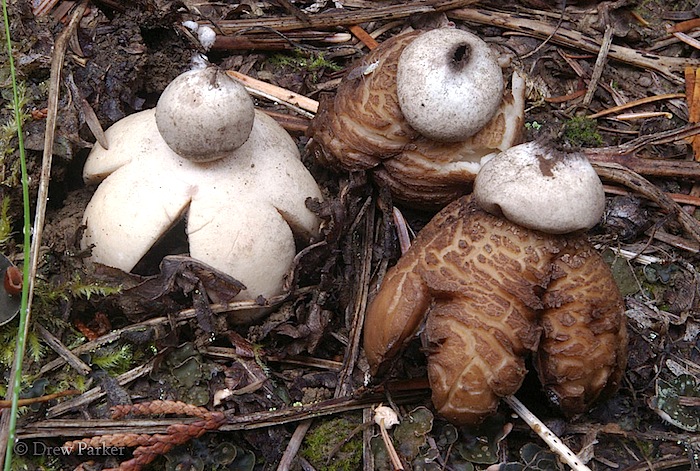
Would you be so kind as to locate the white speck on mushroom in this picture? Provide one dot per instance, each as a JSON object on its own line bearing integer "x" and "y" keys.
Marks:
{"x": 206, "y": 36}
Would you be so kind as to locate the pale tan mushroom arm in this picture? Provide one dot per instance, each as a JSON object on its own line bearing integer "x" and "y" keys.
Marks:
{"x": 245, "y": 238}
{"x": 282, "y": 178}
{"x": 129, "y": 212}
{"x": 128, "y": 138}
{"x": 583, "y": 352}
{"x": 363, "y": 124}
{"x": 395, "y": 314}
{"x": 471, "y": 361}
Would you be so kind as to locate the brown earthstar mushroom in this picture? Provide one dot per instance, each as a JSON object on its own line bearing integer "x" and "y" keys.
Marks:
{"x": 490, "y": 293}
{"x": 243, "y": 209}
{"x": 374, "y": 121}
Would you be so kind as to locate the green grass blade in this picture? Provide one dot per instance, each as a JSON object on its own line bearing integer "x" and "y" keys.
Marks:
{"x": 23, "y": 313}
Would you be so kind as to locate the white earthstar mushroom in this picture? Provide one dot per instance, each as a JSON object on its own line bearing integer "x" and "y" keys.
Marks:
{"x": 449, "y": 84}
{"x": 243, "y": 211}
{"x": 541, "y": 188}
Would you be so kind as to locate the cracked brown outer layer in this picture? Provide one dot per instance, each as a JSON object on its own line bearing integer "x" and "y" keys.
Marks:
{"x": 490, "y": 293}
{"x": 362, "y": 128}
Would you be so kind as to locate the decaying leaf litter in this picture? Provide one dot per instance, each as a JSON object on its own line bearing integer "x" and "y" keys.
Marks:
{"x": 299, "y": 377}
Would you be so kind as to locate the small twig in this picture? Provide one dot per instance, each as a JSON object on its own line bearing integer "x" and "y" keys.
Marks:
{"x": 565, "y": 98}
{"x": 344, "y": 386}
{"x": 692, "y": 99}
{"x": 689, "y": 40}
{"x": 679, "y": 198}
{"x": 345, "y": 17}
{"x": 87, "y": 112}
{"x": 663, "y": 137}
{"x": 367, "y": 455}
{"x": 262, "y": 39}
{"x": 678, "y": 242}
{"x": 644, "y": 115}
{"x": 666, "y": 65}
{"x": 43, "y": 7}
{"x": 4, "y": 404}
{"x": 274, "y": 92}
{"x": 289, "y": 122}
{"x": 599, "y": 66}
{"x": 294, "y": 10}
{"x": 393, "y": 456}
{"x": 556, "y": 28}
{"x": 95, "y": 393}
{"x": 626, "y": 177}
{"x": 178, "y": 318}
{"x": 623, "y": 154}
{"x": 554, "y": 443}
{"x": 293, "y": 446}
{"x": 79, "y": 365}
{"x": 363, "y": 36}
{"x": 235, "y": 421}
{"x": 630, "y": 255}
{"x": 365, "y": 425}
{"x": 684, "y": 26}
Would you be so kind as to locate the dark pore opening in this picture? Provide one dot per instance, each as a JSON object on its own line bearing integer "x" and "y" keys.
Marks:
{"x": 461, "y": 55}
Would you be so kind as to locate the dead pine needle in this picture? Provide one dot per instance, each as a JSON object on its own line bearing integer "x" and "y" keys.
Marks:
{"x": 644, "y": 115}
{"x": 293, "y": 446}
{"x": 302, "y": 104}
{"x": 385, "y": 417}
{"x": 4, "y": 404}
{"x": 599, "y": 66}
{"x": 393, "y": 455}
{"x": 692, "y": 98}
{"x": 634, "y": 103}
{"x": 554, "y": 443}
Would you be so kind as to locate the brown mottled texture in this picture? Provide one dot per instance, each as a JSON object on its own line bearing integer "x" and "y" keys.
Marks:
{"x": 491, "y": 293}
{"x": 584, "y": 339}
{"x": 362, "y": 128}
{"x": 362, "y": 124}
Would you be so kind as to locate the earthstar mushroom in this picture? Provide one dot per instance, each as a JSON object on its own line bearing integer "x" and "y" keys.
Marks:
{"x": 203, "y": 114}
{"x": 491, "y": 293}
{"x": 365, "y": 126}
{"x": 243, "y": 210}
